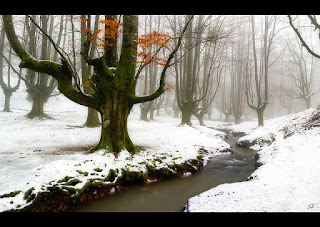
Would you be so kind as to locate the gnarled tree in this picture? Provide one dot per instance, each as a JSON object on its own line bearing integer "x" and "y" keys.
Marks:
{"x": 113, "y": 82}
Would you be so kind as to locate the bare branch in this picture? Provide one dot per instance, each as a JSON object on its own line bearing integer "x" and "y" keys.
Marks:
{"x": 301, "y": 39}
{"x": 160, "y": 90}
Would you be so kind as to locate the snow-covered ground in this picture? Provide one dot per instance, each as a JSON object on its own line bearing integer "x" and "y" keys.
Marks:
{"x": 36, "y": 154}
{"x": 288, "y": 180}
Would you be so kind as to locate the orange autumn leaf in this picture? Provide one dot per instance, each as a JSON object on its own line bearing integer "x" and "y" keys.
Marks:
{"x": 111, "y": 31}
{"x": 86, "y": 84}
{"x": 146, "y": 42}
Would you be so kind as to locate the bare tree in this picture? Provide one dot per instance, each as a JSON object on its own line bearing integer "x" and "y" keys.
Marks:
{"x": 7, "y": 89}
{"x": 301, "y": 71}
{"x": 238, "y": 72}
{"x": 39, "y": 85}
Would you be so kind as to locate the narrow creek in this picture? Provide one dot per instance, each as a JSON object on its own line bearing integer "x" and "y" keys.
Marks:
{"x": 171, "y": 195}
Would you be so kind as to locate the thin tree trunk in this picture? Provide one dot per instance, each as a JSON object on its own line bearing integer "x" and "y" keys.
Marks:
{"x": 92, "y": 115}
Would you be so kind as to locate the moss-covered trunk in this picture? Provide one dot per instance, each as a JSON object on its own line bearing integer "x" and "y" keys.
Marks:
{"x": 187, "y": 108}
{"x": 114, "y": 133}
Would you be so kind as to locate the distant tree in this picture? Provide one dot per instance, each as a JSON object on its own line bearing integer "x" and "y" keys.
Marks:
{"x": 113, "y": 82}
{"x": 190, "y": 87}
{"x": 7, "y": 89}
{"x": 92, "y": 116}
{"x": 213, "y": 65}
{"x": 259, "y": 86}
{"x": 238, "y": 71}
{"x": 224, "y": 104}
{"x": 302, "y": 73}
{"x": 150, "y": 76}
{"x": 39, "y": 85}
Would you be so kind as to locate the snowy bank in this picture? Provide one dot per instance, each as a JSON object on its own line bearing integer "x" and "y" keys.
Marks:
{"x": 288, "y": 180}
{"x": 41, "y": 156}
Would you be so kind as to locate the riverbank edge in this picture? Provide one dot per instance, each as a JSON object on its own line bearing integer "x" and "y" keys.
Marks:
{"x": 245, "y": 144}
{"x": 61, "y": 199}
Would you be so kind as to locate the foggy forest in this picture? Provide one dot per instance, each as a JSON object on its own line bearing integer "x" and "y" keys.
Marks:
{"x": 193, "y": 113}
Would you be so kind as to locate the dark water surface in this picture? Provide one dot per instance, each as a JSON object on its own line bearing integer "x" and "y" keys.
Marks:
{"x": 173, "y": 194}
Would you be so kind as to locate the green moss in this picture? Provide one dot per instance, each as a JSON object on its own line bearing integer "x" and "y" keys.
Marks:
{"x": 111, "y": 176}
{"x": 11, "y": 194}
{"x": 166, "y": 172}
{"x": 130, "y": 177}
{"x": 97, "y": 169}
{"x": 73, "y": 182}
{"x": 84, "y": 173}
{"x": 65, "y": 179}
{"x": 162, "y": 173}
{"x": 66, "y": 190}
{"x": 28, "y": 195}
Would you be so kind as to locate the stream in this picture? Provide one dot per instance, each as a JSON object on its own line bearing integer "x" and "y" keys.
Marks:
{"x": 171, "y": 195}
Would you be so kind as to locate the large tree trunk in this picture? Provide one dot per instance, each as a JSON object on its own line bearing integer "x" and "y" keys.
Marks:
{"x": 186, "y": 118}
{"x": 114, "y": 133}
